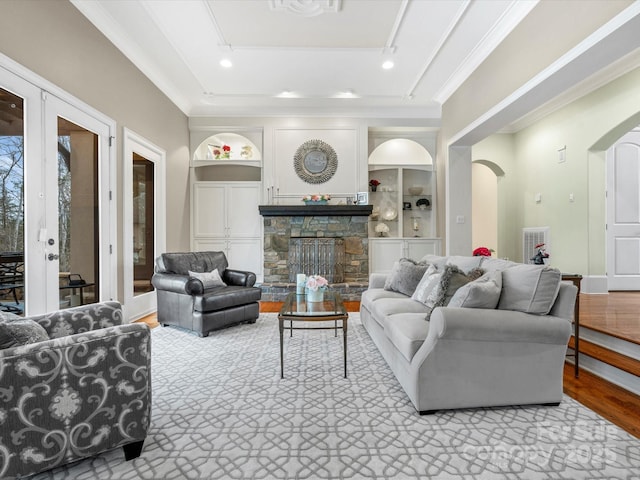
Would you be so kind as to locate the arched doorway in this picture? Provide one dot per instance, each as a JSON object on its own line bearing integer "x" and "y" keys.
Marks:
{"x": 484, "y": 204}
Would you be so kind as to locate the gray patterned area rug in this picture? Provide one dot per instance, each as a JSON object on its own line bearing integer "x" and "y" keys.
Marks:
{"x": 221, "y": 411}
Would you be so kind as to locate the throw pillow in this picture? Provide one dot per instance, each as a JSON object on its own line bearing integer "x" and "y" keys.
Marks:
{"x": 429, "y": 281}
{"x": 15, "y": 332}
{"x": 529, "y": 288}
{"x": 481, "y": 293}
{"x": 405, "y": 276}
{"x": 450, "y": 281}
{"x": 209, "y": 279}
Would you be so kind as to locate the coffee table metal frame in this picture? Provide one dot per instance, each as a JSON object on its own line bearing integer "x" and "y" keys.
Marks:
{"x": 330, "y": 309}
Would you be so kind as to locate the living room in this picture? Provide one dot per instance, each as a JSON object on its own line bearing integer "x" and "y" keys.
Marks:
{"x": 548, "y": 160}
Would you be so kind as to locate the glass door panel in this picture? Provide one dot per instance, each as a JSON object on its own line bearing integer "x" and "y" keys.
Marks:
{"x": 143, "y": 224}
{"x": 12, "y": 285}
{"x": 78, "y": 222}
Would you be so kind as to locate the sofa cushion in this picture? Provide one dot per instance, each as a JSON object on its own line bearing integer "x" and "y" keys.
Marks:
{"x": 437, "y": 261}
{"x": 390, "y": 306}
{"x": 466, "y": 264}
{"x": 407, "y": 332}
{"x": 181, "y": 263}
{"x": 221, "y": 298}
{"x": 481, "y": 293}
{"x": 373, "y": 294}
{"x": 208, "y": 279}
{"x": 15, "y": 332}
{"x": 490, "y": 264}
{"x": 405, "y": 276}
{"x": 529, "y": 288}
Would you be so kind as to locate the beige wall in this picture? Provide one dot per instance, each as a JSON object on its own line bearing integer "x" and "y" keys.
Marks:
{"x": 57, "y": 42}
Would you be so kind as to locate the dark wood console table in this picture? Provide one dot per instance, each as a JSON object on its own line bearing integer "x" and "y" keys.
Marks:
{"x": 576, "y": 279}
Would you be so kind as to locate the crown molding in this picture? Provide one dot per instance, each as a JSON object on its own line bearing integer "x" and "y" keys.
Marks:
{"x": 516, "y": 12}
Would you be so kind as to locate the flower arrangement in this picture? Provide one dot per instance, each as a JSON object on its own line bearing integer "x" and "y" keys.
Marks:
{"x": 316, "y": 282}
{"x": 541, "y": 254}
{"x": 482, "y": 252}
{"x": 222, "y": 152}
{"x": 317, "y": 198}
{"x": 373, "y": 183}
{"x": 382, "y": 229}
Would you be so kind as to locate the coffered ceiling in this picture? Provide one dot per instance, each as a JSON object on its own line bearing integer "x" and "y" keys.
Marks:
{"x": 306, "y": 56}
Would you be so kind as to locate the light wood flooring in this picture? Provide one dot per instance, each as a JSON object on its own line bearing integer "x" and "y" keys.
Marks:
{"x": 617, "y": 314}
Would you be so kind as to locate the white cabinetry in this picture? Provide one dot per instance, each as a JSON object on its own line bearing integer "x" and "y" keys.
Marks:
{"x": 384, "y": 252}
{"x": 403, "y": 221}
{"x": 225, "y": 218}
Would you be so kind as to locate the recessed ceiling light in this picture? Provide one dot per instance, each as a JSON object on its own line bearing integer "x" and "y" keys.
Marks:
{"x": 387, "y": 65}
{"x": 346, "y": 94}
{"x": 287, "y": 94}
{"x": 226, "y": 63}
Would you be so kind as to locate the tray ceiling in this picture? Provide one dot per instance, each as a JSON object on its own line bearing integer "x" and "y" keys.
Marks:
{"x": 306, "y": 56}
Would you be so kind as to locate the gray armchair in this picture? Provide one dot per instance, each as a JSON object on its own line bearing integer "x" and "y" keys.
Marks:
{"x": 81, "y": 392}
{"x": 185, "y": 301}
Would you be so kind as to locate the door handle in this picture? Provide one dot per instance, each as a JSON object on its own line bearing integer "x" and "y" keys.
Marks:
{"x": 53, "y": 256}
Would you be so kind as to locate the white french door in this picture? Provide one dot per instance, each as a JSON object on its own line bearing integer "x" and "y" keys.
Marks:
{"x": 144, "y": 221}
{"x": 66, "y": 217}
{"x": 623, "y": 212}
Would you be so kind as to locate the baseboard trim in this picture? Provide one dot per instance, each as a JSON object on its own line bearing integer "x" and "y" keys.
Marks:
{"x": 594, "y": 284}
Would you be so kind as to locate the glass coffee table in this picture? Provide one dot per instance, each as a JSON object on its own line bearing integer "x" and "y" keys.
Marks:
{"x": 296, "y": 308}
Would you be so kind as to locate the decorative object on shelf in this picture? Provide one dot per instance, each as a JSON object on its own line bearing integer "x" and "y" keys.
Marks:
{"x": 415, "y": 190}
{"x": 218, "y": 152}
{"x": 415, "y": 226}
{"x": 315, "y": 287}
{"x": 482, "y": 252}
{"x": 423, "y": 203}
{"x": 382, "y": 229}
{"x": 375, "y": 213}
{"x": 389, "y": 214}
{"x": 362, "y": 198}
{"x": 541, "y": 254}
{"x": 315, "y": 161}
{"x": 406, "y": 205}
{"x": 373, "y": 183}
{"x": 246, "y": 152}
{"x": 317, "y": 199}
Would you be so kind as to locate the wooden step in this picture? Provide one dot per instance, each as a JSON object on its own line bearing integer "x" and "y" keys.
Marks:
{"x": 605, "y": 355}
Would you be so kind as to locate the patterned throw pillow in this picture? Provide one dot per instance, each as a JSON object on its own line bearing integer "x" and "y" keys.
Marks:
{"x": 15, "y": 332}
{"x": 405, "y": 276}
{"x": 427, "y": 284}
{"x": 209, "y": 279}
{"x": 451, "y": 279}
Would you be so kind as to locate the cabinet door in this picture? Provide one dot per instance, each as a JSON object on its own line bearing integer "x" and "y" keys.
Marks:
{"x": 210, "y": 245}
{"x": 244, "y": 219}
{"x": 209, "y": 209}
{"x": 246, "y": 254}
{"x": 416, "y": 249}
{"x": 383, "y": 253}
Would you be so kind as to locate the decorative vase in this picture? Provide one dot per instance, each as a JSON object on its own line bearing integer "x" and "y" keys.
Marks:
{"x": 374, "y": 188}
{"x": 315, "y": 295}
{"x": 312, "y": 202}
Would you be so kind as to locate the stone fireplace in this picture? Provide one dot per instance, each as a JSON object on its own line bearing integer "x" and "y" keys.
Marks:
{"x": 328, "y": 240}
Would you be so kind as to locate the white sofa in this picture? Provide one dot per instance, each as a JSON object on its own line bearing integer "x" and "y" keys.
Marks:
{"x": 476, "y": 357}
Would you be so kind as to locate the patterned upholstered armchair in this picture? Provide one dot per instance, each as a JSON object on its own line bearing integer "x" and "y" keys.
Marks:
{"x": 81, "y": 392}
